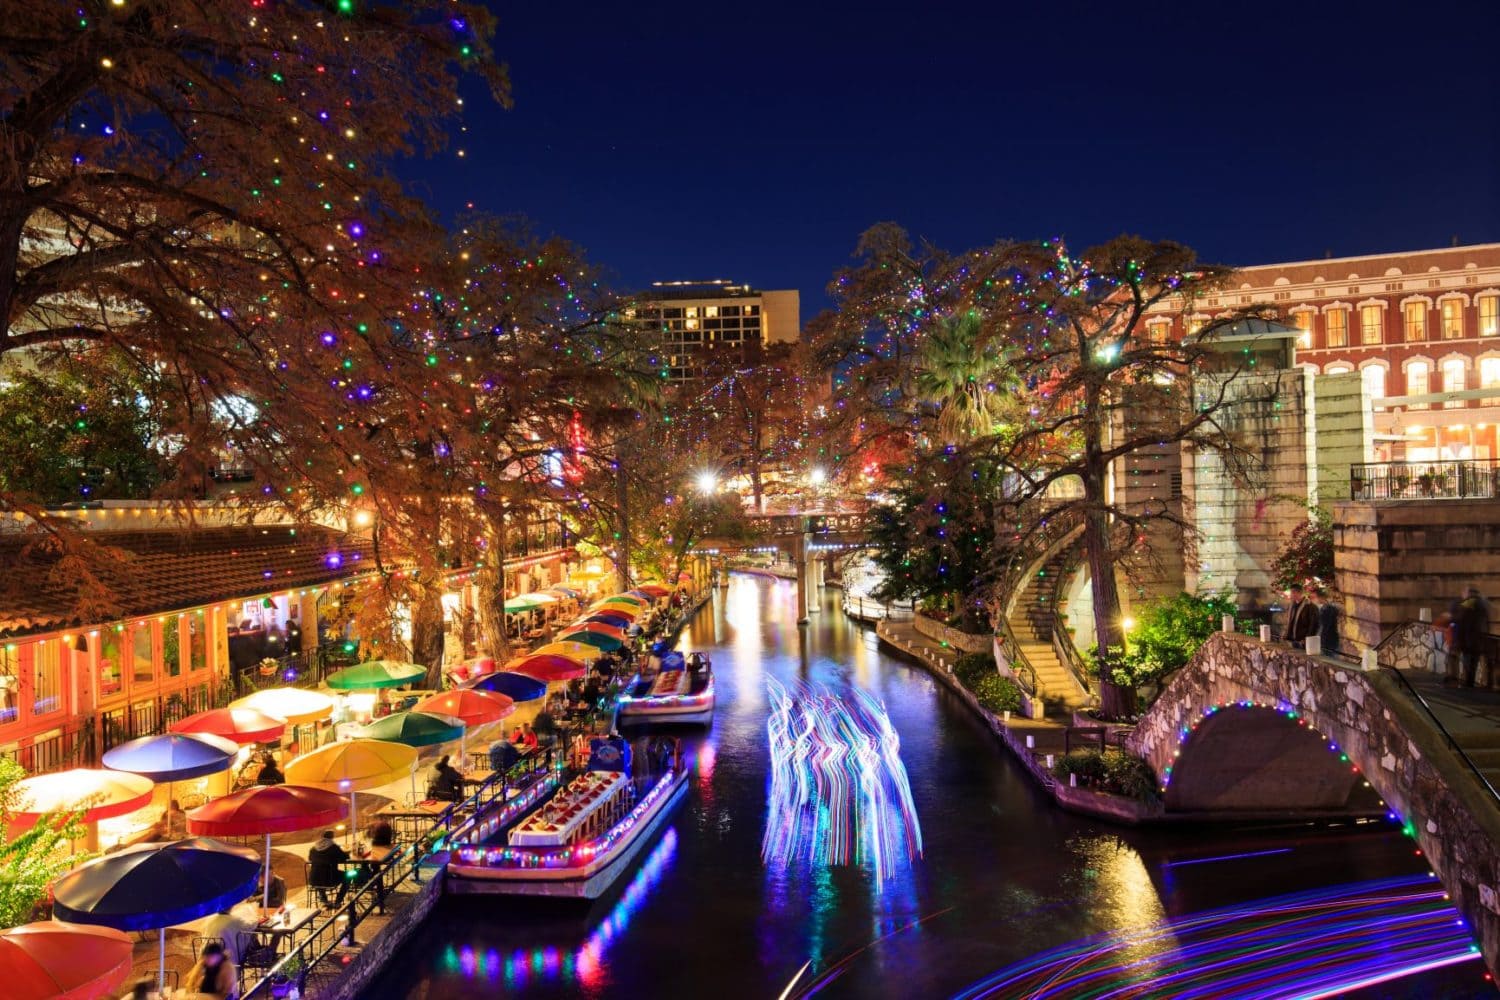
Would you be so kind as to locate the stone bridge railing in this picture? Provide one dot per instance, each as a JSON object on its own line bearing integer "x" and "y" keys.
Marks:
{"x": 1380, "y": 730}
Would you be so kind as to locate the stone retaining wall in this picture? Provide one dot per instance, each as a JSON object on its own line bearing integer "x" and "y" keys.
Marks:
{"x": 964, "y": 642}
{"x": 358, "y": 979}
{"x": 1382, "y": 731}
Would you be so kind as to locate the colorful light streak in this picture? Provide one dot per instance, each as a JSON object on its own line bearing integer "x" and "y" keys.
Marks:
{"x": 839, "y": 793}
{"x": 1297, "y": 947}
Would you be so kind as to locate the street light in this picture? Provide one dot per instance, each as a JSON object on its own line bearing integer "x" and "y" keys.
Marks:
{"x": 817, "y": 476}
{"x": 708, "y": 481}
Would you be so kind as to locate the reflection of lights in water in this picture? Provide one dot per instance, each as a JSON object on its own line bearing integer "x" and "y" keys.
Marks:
{"x": 585, "y": 964}
{"x": 706, "y": 758}
{"x": 839, "y": 792}
{"x": 1121, "y": 891}
{"x": 1307, "y": 945}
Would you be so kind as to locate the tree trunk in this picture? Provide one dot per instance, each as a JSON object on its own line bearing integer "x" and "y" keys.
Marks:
{"x": 427, "y": 638}
{"x": 1115, "y": 701}
{"x": 756, "y": 489}
{"x": 493, "y": 639}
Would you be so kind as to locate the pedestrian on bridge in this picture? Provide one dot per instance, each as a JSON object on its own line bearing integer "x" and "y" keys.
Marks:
{"x": 1468, "y": 632}
{"x": 1328, "y": 621}
{"x": 1301, "y": 617}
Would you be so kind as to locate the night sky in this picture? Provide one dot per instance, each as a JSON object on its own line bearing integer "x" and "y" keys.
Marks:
{"x": 756, "y": 141}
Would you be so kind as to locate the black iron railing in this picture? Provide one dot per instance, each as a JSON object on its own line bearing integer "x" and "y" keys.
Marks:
{"x": 1452, "y": 480}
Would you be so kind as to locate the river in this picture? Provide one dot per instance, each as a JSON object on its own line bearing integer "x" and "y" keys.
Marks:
{"x": 1004, "y": 875}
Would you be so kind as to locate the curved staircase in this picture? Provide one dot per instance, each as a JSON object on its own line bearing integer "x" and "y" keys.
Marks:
{"x": 1032, "y": 618}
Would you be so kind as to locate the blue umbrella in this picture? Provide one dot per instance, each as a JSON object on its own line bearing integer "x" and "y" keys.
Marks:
{"x": 517, "y": 687}
{"x": 173, "y": 756}
{"x": 154, "y": 886}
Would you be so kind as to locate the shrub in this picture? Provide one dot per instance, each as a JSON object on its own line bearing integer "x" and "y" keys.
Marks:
{"x": 1167, "y": 632}
{"x": 972, "y": 666}
{"x": 997, "y": 694}
{"x": 1113, "y": 771}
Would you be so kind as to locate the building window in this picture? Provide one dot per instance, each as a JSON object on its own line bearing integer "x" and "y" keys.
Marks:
{"x": 1337, "y": 370}
{"x": 1489, "y": 315}
{"x": 1489, "y": 378}
{"x": 1371, "y": 325}
{"x": 1417, "y": 373}
{"x": 46, "y": 677}
{"x": 171, "y": 648}
{"x": 1415, "y": 315}
{"x": 1159, "y": 331}
{"x": 1453, "y": 380}
{"x": 143, "y": 666}
{"x": 1453, "y": 318}
{"x": 195, "y": 642}
{"x": 110, "y": 663}
{"x": 1374, "y": 380}
{"x": 10, "y": 684}
{"x": 1304, "y": 321}
{"x": 1336, "y": 328}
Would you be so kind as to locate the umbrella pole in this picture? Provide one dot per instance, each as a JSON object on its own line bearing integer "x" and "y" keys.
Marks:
{"x": 161, "y": 960}
{"x": 265, "y": 899}
{"x": 352, "y": 814}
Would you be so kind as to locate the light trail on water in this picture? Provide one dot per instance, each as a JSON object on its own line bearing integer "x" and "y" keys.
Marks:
{"x": 839, "y": 793}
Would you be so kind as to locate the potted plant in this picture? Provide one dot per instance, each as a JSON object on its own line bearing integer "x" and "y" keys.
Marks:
{"x": 288, "y": 977}
{"x": 545, "y": 726}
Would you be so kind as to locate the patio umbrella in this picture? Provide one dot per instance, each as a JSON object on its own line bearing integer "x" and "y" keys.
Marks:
{"x": 538, "y": 597}
{"x": 49, "y": 960}
{"x": 169, "y": 757}
{"x": 242, "y": 725}
{"x": 352, "y": 766}
{"x": 654, "y": 590}
{"x": 376, "y": 674}
{"x": 608, "y": 618}
{"x": 589, "y": 574}
{"x": 607, "y": 643}
{"x": 95, "y": 793}
{"x": 296, "y": 705}
{"x": 628, "y": 598}
{"x": 582, "y": 652}
{"x": 564, "y": 591}
{"x": 154, "y": 886}
{"x": 549, "y": 669}
{"x": 477, "y": 667}
{"x": 267, "y": 809}
{"x": 472, "y": 708}
{"x": 572, "y": 632}
{"x": 414, "y": 729}
{"x": 621, "y": 608}
{"x": 517, "y": 604}
{"x": 517, "y": 687}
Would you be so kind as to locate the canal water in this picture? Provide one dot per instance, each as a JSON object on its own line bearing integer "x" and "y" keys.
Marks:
{"x": 1004, "y": 875}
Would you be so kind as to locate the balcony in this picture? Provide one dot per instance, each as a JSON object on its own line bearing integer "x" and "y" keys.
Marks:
{"x": 1455, "y": 480}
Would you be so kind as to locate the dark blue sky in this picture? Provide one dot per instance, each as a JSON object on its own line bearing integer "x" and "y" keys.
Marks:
{"x": 756, "y": 141}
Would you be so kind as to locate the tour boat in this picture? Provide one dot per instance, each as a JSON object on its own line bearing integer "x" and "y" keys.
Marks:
{"x": 681, "y": 691}
{"x": 576, "y": 842}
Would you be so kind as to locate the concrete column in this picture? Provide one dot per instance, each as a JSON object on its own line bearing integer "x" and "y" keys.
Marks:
{"x": 814, "y": 584}
{"x": 799, "y": 557}
{"x": 307, "y": 620}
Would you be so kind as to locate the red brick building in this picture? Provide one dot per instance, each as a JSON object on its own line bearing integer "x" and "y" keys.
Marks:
{"x": 1423, "y": 328}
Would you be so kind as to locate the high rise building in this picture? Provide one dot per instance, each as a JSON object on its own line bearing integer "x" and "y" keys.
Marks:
{"x": 702, "y": 321}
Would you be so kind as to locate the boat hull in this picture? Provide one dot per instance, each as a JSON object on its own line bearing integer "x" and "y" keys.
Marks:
{"x": 643, "y": 711}
{"x": 585, "y": 882}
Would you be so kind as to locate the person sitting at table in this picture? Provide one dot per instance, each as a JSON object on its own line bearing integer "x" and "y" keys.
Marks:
{"x": 236, "y": 933}
{"x": 214, "y": 974}
{"x": 172, "y": 825}
{"x": 382, "y": 839}
{"x": 270, "y": 774}
{"x": 447, "y": 784}
{"x": 517, "y": 737}
{"x": 503, "y": 755}
{"x": 141, "y": 990}
{"x": 323, "y": 862}
{"x": 277, "y": 897}
{"x": 529, "y": 737}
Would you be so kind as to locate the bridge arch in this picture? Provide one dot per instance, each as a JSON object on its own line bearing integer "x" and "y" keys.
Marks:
{"x": 1369, "y": 718}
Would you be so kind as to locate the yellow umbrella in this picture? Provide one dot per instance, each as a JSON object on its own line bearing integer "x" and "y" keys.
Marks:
{"x": 297, "y": 706}
{"x": 578, "y": 652}
{"x": 353, "y": 766}
{"x": 589, "y": 574}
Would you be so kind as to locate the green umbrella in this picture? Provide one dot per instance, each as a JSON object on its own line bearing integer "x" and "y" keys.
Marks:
{"x": 376, "y": 674}
{"x": 415, "y": 729}
{"x": 520, "y": 604}
{"x": 607, "y": 643}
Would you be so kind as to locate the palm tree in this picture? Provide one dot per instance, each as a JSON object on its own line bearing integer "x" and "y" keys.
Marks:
{"x": 964, "y": 378}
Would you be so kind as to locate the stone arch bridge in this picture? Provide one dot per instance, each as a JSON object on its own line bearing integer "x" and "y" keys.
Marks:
{"x": 1251, "y": 727}
{"x": 806, "y": 538}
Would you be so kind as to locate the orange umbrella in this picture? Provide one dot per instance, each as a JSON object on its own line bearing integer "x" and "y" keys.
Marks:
{"x": 598, "y": 628}
{"x": 582, "y": 652}
{"x": 470, "y": 706}
{"x": 654, "y": 589}
{"x": 51, "y": 960}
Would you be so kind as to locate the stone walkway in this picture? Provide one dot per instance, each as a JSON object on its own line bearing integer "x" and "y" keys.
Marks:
{"x": 1471, "y": 716}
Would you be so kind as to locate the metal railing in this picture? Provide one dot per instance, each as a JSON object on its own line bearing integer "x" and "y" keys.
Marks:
{"x": 867, "y": 609}
{"x": 1071, "y": 659}
{"x": 1447, "y": 736}
{"x": 1021, "y": 670}
{"x": 72, "y": 747}
{"x": 384, "y": 877}
{"x": 1450, "y": 480}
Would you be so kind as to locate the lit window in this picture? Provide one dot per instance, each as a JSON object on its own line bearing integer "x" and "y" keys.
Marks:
{"x": 1304, "y": 321}
{"x": 1371, "y": 325}
{"x": 1194, "y": 324}
{"x": 1159, "y": 331}
{"x": 10, "y": 684}
{"x": 1416, "y": 382}
{"x": 692, "y": 324}
{"x": 46, "y": 677}
{"x": 691, "y": 311}
{"x": 1453, "y": 319}
{"x": 1336, "y": 333}
{"x": 1374, "y": 380}
{"x": 710, "y": 311}
{"x": 1489, "y": 315}
{"x": 1489, "y": 377}
{"x": 1415, "y": 316}
{"x": 1453, "y": 380}
{"x": 142, "y": 662}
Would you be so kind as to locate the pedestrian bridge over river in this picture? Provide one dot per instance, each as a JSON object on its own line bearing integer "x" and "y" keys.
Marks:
{"x": 1254, "y": 727}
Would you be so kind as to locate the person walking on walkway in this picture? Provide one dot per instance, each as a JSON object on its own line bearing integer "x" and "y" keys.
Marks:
{"x": 1470, "y": 628}
{"x": 1301, "y": 617}
{"x": 1328, "y": 621}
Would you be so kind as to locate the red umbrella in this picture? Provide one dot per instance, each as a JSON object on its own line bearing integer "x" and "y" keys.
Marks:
{"x": 546, "y": 668}
{"x": 654, "y": 589}
{"x": 598, "y": 628}
{"x": 477, "y": 667}
{"x": 242, "y": 725}
{"x": 470, "y": 706}
{"x": 267, "y": 809}
{"x": 51, "y": 960}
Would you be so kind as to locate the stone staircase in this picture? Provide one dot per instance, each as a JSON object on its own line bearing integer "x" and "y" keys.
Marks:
{"x": 1031, "y": 623}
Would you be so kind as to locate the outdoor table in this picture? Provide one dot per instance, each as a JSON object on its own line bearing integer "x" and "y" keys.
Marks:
{"x": 268, "y": 924}
{"x": 560, "y": 820}
{"x": 478, "y": 776}
{"x": 412, "y": 821}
